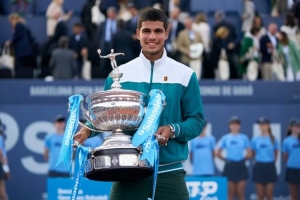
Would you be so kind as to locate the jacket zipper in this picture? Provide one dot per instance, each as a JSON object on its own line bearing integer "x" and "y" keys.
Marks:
{"x": 151, "y": 77}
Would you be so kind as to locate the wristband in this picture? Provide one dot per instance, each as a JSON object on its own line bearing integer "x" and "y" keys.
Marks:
{"x": 5, "y": 168}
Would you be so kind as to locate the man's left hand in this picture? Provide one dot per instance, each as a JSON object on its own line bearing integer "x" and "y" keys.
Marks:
{"x": 163, "y": 134}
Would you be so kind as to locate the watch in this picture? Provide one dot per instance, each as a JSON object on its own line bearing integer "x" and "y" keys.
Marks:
{"x": 172, "y": 131}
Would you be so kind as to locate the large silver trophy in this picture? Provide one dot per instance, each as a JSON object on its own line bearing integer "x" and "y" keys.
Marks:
{"x": 115, "y": 110}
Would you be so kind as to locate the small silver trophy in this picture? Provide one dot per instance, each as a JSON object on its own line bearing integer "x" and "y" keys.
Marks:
{"x": 115, "y": 110}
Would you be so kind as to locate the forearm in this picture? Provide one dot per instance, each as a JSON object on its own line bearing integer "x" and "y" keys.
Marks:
{"x": 192, "y": 112}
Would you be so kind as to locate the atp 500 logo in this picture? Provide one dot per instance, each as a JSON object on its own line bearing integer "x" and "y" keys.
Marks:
{"x": 203, "y": 190}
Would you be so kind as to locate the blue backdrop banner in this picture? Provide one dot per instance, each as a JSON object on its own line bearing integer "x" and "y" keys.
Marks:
{"x": 28, "y": 108}
{"x": 209, "y": 188}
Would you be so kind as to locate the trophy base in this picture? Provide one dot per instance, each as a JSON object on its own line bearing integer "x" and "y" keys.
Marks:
{"x": 117, "y": 161}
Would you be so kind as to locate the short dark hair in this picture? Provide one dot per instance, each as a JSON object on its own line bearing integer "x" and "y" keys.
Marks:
{"x": 77, "y": 24}
{"x": 153, "y": 14}
{"x": 63, "y": 42}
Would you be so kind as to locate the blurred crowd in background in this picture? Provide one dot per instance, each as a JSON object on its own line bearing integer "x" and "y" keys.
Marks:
{"x": 221, "y": 50}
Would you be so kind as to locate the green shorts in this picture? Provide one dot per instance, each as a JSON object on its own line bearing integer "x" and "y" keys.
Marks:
{"x": 169, "y": 186}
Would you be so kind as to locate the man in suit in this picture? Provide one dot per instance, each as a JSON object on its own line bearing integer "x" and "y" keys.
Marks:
{"x": 78, "y": 44}
{"x": 175, "y": 26}
{"x": 220, "y": 19}
{"x": 121, "y": 43}
{"x": 106, "y": 4}
{"x": 63, "y": 62}
{"x": 268, "y": 44}
{"x": 186, "y": 38}
{"x": 131, "y": 26}
{"x": 105, "y": 32}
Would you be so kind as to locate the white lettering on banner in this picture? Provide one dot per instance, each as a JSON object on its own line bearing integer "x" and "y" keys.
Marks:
{"x": 76, "y": 185}
{"x": 210, "y": 90}
{"x": 36, "y": 145}
{"x": 152, "y": 116}
{"x": 11, "y": 130}
{"x": 209, "y": 187}
{"x": 227, "y": 91}
{"x": 71, "y": 126}
{"x": 62, "y": 91}
{"x": 86, "y": 197}
{"x": 63, "y": 191}
{"x": 202, "y": 189}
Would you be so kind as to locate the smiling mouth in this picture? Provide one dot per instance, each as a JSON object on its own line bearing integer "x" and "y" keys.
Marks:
{"x": 151, "y": 43}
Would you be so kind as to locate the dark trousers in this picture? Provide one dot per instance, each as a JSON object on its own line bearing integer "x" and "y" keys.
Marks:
{"x": 79, "y": 68}
{"x": 169, "y": 186}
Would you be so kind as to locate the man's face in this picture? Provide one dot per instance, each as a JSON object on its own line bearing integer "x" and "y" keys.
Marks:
{"x": 273, "y": 29}
{"x": 76, "y": 30}
{"x": 60, "y": 126}
{"x": 152, "y": 36}
{"x": 111, "y": 14}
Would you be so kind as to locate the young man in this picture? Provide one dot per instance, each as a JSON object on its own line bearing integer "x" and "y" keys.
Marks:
{"x": 181, "y": 120}
{"x": 53, "y": 143}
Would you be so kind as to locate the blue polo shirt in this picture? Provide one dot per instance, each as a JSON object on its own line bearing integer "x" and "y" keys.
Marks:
{"x": 291, "y": 146}
{"x": 202, "y": 149}
{"x": 53, "y": 143}
{"x": 2, "y": 146}
{"x": 235, "y": 145}
{"x": 264, "y": 148}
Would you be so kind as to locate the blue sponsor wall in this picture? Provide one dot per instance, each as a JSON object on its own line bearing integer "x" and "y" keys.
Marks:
{"x": 27, "y": 109}
{"x": 204, "y": 188}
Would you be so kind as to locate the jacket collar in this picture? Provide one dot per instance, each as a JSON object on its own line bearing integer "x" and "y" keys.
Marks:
{"x": 157, "y": 64}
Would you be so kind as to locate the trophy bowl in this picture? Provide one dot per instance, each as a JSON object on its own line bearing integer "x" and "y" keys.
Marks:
{"x": 117, "y": 111}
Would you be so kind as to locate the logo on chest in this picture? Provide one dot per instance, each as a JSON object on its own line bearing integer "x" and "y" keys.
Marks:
{"x": 263, "y": 146}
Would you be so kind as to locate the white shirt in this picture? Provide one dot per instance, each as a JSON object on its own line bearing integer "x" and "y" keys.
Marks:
{"x": 273, "y": 39}
{"x": 204, "y": 30}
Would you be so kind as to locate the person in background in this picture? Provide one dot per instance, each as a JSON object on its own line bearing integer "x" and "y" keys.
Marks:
{"x": 63, "y": 62}
{"x": 202, "y": 154}
{"x": 235, "y": 144}
{"x": 175, "y": 26}
{"x": 105, "y": 32}
{"x": 20, "y": 6}
{"x": 53, "y": 13}
{"x": 291, "y": 28}
{"x": 185, "y": 39}
{"x": 248, "y": 15}
{"x": 290, "y": 55}
{"x": 53, "y": 142}
{"x": 264, "y": 152}
{"x": 78, "y": 43}
{"x": 249, "y": 50}
{"x": 268, "y": 45}
{"x": 4, "y": 168}
{"x": 131, "y": 26}
{"x": 201, "y": 25}
{"x": 223, "y": 42}
{"x": 22, "y": 45}
{"x": 87, "y": 19}
{"x": 120, "y": 42}
{"x": 220, "y": 19}
{"x": 258, "y": 23}
{"x": 291, "y": 155}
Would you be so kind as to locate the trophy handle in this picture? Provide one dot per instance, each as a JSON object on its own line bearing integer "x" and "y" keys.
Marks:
{"x": 85, "y": 113}
{"x": 88, "y": 127}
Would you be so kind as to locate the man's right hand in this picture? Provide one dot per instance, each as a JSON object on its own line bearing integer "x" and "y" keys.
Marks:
{"x": 82, "y": 135}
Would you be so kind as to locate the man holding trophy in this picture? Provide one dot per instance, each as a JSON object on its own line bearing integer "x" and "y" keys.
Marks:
{"x": 180, "y": 121}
